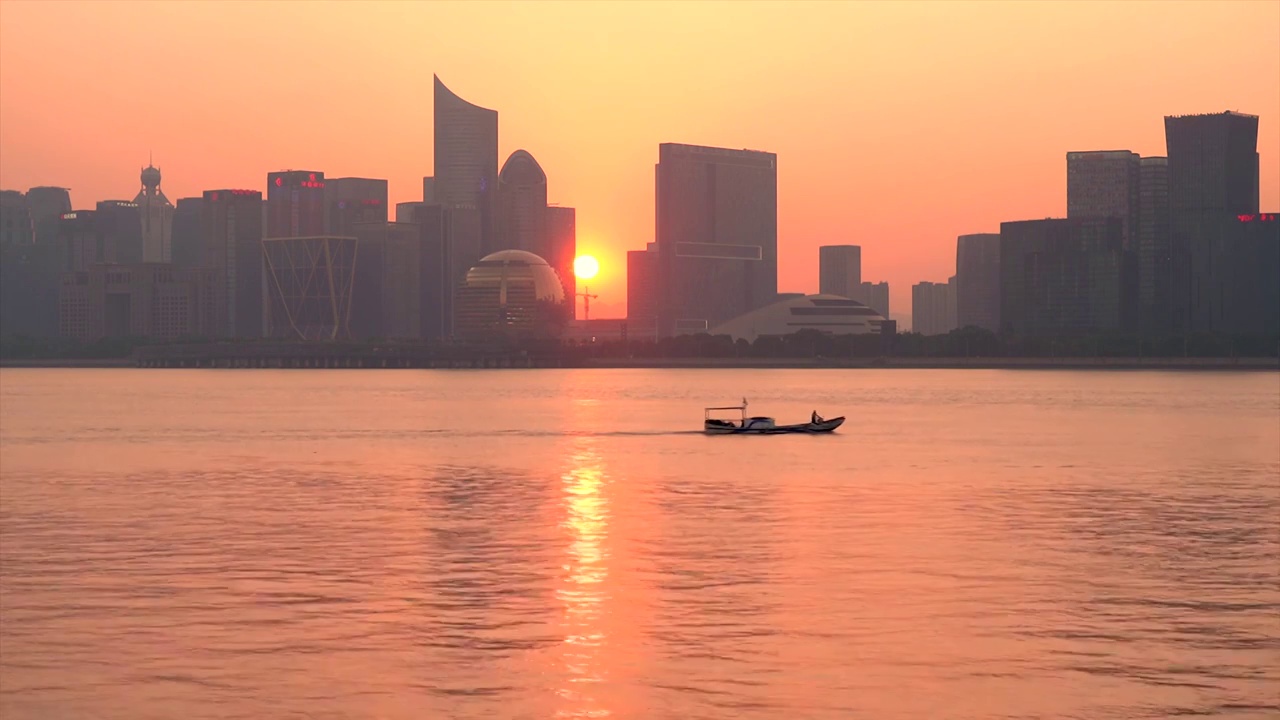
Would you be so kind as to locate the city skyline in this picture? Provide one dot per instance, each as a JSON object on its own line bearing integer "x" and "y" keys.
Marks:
{"x": 895, "y": 170}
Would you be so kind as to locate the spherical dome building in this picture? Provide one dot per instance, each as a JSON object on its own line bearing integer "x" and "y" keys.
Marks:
{"x": 510, "y": 294}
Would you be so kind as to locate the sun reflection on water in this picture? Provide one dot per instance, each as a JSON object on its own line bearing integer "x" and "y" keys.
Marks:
{"x": 583, "y": 591}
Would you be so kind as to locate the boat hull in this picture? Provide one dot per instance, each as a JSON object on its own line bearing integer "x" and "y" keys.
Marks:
{"x": 810, "y": 428}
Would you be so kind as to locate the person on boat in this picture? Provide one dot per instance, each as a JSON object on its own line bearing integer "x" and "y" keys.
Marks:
{"x": 813, "y": 418}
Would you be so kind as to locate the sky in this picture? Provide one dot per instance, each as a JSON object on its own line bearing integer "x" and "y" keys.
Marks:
{"x": 898, "y": 125}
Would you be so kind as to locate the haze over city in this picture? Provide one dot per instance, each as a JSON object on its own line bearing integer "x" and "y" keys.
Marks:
{"x": 897, "y": 126}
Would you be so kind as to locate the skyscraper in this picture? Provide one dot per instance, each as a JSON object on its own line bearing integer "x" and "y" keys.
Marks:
{"x": 350, "y": 201}
{"x": 1155, "y": 253}
{"x": 466, "y": 159}
{"x": 156, "y": 214}
{"x": 1102, "y": 184}
{"x": 232, "y": 243}
{"x": 120, "y": 229}
{"x": 875, "y": 296}
{"x": 522, "y": 205}
{"x": 642, "y": 288}
{"x": 933, "y": 307}
{"x": 978, "y": 281}
{"x": 295, "y": 204}
{"x": 187, "y": 238}
{"x": 1213, "y": 177}
{"x": 839, "y": 270}
{"x": 717, "y": 234}
{"x": 47, "y": 205}
{"x": 562, "y": 247}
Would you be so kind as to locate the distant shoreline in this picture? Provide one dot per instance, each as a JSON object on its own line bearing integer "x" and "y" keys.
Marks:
{"x": 954, "y": 363}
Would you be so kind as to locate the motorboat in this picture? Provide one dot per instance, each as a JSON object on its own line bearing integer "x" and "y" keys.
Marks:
{"x": 760, "y": 425}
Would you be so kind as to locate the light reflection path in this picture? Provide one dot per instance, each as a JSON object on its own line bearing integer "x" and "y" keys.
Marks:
{"x": 583, "y": 591}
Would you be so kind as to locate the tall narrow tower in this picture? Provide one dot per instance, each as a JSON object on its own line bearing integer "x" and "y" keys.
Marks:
{"x": 156, "y": 213}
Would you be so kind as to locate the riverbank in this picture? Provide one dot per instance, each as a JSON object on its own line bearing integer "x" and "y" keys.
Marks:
{"x": 955, "y": 363}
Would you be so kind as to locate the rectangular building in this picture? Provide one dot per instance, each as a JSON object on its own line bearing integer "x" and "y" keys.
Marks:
{"x": 188, "y": 236}
{"x": 642, "y": 288}
{"x": 151, "y": 300}
{"x": 978, "y": 281}
{"x": 1155, "y": 251}
{"x": 717, "y": 234}
{"x": 933, "y": 307}
{"x": 1213, "y": 175}
{"x": 1104, "y": 183}
{"x": 386, "y": 300}
{"x": 120, "y": 227}
{"x": 295, "y": 204}
{"x": 81, "y": 244}
{"x": 1066, "y": 277}
{"x": 875, "y": 296}
{"x": 839, "y": 270}
{"x": 349, "y": 201}
{"x": 231, "y": 233}
{"x": 562, "y": 248}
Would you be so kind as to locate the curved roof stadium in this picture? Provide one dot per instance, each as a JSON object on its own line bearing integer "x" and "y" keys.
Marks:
{"x": 510, "y": 292}
{"x": 466, "y": 149}
{"x": 826, "y": 313}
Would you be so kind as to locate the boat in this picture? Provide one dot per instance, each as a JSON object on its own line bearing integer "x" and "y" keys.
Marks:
{"x": 760, "y": 425}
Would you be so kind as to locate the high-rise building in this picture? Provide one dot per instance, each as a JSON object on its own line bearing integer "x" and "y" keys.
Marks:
{"x": 1213, "y": 176}
{"x": 978, "y": 281}
{"x": 16, "y": 227}
{"x": 1155, "y": 253}
{"x": 429, "y": 190}
{"x": 350, "y": 201}
{"x": 717, "y": 234}
{"x": 120, "y": 226}
{"x": 874, "y": 296}
{"x": 295, "y": 204}
{"x": 839, "y": 270}
{"x": 231, "y": 224}
{"x": 449, "y": 239}
{"x": 386, "y": 301}
{"x": 1104, "y": 183}
{"x": 562, "y": 247}
{"x": 29, "y": 275}
{"x": 47, "y": 206}
{"x": 1066, "y": 276}
{"x": 642, "y": 288}
{"x": 156, "y": 215}
{"x": 80, "y": 242}
{"x": 1250, "y": 291}
{"x": 187, "y": 238}
{"x": 466, "y": 160}
{"x": 933, "y": 307}
{"x": 407, "y": 211}
{"x": 522, "y": 205}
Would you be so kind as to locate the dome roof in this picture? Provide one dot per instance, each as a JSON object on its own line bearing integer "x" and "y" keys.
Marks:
{"x": 522, "y": 169}
{"x": 151, "y": 176}
{"x": 507, "y": 267}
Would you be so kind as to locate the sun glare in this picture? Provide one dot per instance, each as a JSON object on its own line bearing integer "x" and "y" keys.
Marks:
{"x": 585, "y": 267}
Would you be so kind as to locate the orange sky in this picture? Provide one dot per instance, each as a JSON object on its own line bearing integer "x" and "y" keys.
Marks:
{"x": 898, "y": 125}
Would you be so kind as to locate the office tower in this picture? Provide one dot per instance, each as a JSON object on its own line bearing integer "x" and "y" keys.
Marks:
{"x": 642, "y": 289}
{"x": 80, "y": 242}
{"x": 522, "y": 205}
{"x": 466, "y": 160}
{"x": 155, "y": 212}
{"x": 16, "y": 227}
{"x": 120, "y": 227}
{"x": 839, "y": 270}
{"x": 349, "y": 201}
{"x": 978, "y": 281}
{"x": 562, "y": 248}
{"x": 874, "y": 296}
{"x": 1065, "y": 276}
{"x": 295, "y": 204}
{"x": 386, "y": 301}
{"x": 407, "y": 211}
{"x": 933, "y": 307}
{"x": 1104, "y": 184}
{"x": 29, "y": 274}
{"x": 449, "y": 239}
{"x": 717, "y": 234}
{"x": 152, "y": 300}
{"x": 1155, "y": 253}
{"x": 187, "y": 238}
{"x": 429, "y": 190}
{"x": 1251, "y": 270}
{"x": 1213, "y": 177}
{"x": 231, "y": 224}
{"x": 47, "y": 205}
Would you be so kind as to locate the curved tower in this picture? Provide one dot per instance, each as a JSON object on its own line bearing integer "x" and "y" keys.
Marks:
{"x": 157, "y": 217}
{"x": 522, "y": 205}
{"x": 466, "y": 157}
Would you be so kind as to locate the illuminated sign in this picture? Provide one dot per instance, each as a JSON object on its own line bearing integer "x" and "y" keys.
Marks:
{"x": 311, "y": 184}
{"x": 279, "y": 181}
{"x": 1262, "y": 217}
{"x": 371, "y": 202}
{"x": 68, "y": 216}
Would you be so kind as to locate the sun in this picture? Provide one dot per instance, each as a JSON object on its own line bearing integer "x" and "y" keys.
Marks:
{"x": 585, "y": 267}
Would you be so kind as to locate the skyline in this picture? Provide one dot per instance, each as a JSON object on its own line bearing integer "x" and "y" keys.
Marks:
{"x": 874, "y": 163}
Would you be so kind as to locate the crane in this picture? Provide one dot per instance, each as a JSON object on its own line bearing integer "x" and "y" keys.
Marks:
{"x": 587, "y": 297}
